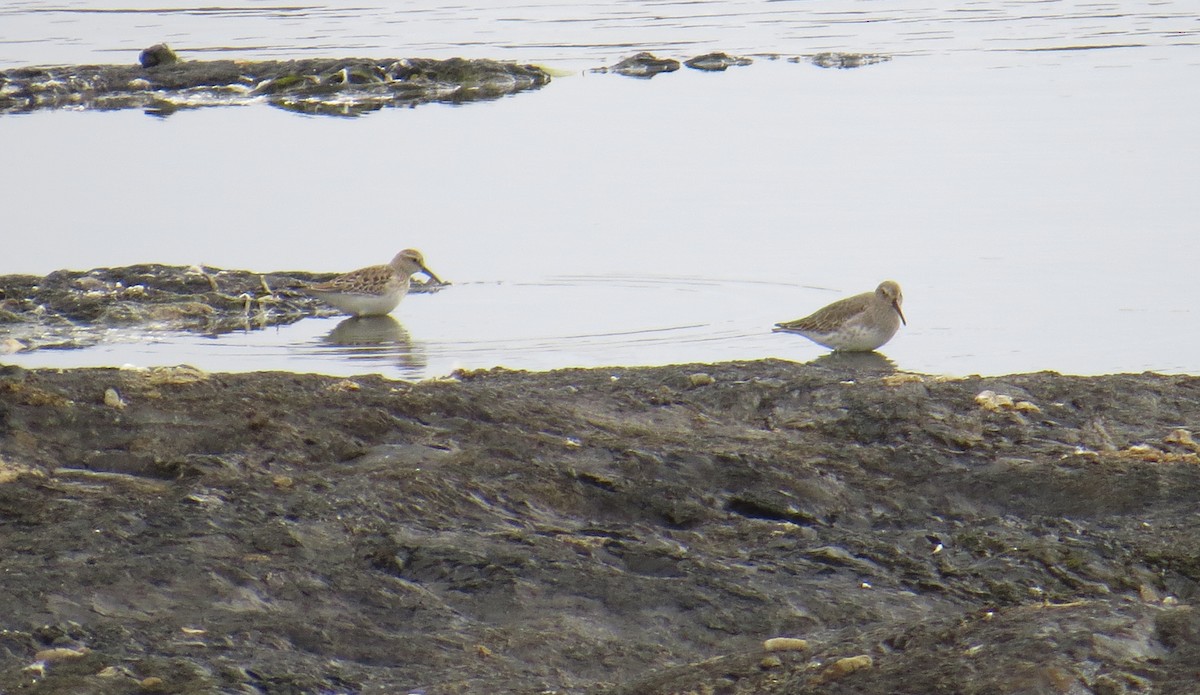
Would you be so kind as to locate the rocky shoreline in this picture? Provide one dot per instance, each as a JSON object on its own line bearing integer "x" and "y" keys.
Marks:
{"x": 761, "y": 527}
{"x": 161, "y": 83}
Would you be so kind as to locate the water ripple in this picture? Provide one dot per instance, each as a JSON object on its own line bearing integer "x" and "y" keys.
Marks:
{"x": 544, "y": 30}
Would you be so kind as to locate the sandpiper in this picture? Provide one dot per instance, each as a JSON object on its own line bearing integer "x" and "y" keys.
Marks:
{"x": 857, "y": 324}
{"x": 375, "y": 290}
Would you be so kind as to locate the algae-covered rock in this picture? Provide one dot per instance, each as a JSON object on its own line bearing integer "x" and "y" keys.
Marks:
{"x": 69, "y": 308}
{"x": 644, "y": 65}
{"x": 348, "y": 86}
{"x": 716, "y": 62}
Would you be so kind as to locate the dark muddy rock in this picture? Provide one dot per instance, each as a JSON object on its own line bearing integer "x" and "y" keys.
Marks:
{"x": 644, "y": 65}
{"x": 74, "y": 308}
{"x": 612, "y": 530}
{"x": 158, "y": 54}
{"x": 843, "y": 60}
{"x": 716, "y": 62}
{"x": 335, "y": 86}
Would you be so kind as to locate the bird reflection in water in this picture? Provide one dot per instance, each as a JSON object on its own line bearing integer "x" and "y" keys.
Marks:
{"x": 376, "y": 339}
{"x": 857, "y": 362}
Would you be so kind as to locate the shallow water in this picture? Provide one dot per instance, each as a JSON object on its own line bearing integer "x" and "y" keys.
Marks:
{"x": 1036, "y": 205}
{"x": 79, "y": 31}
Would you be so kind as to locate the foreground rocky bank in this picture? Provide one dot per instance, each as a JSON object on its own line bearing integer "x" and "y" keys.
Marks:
{"x": 653, "y": 530}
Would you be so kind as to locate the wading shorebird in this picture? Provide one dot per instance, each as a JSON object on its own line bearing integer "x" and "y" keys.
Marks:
{"x": 855, "y": 324}
{"x": 375, "y": 290}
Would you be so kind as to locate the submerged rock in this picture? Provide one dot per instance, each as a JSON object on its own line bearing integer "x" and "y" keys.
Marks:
{"x": 334, "y": 86}
{"x": 843, "y": 60}
{"x": 716, "y": 62}
{"x": 644, "y": 64}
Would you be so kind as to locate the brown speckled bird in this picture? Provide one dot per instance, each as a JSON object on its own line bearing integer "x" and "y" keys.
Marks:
{"x": 375, "y": 290}
{"x": 855, "y": 324}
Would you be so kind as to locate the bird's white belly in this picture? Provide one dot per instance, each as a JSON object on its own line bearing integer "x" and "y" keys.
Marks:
{"x": 855, "y": 337}
{"x": 362, "y": 304}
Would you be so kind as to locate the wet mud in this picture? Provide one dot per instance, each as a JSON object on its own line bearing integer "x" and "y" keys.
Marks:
{"x": 760, "y": 527}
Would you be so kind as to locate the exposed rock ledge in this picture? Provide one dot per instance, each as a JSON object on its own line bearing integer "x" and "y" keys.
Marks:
{"x": 640, "y": 531}
{"x": 335, "y": 86}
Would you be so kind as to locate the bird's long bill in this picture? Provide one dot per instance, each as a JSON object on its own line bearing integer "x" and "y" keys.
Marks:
{"x": 433, "y": 277}
{"x": 896, "y": 306}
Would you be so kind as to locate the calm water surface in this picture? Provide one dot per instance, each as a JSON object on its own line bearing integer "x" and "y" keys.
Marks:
{"x": 1026, "y": 170}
